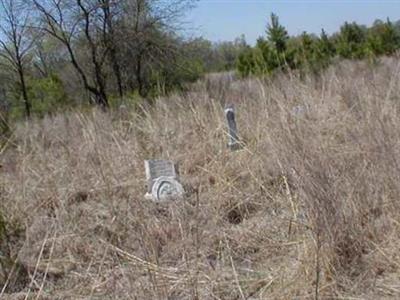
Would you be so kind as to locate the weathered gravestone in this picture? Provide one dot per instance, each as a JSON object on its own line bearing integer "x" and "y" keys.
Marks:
{"x": 233, "y": 142}
{"x": 162, "y": 181}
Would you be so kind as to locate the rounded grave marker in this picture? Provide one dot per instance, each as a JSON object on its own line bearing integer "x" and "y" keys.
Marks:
{"x": 166, "y": 188}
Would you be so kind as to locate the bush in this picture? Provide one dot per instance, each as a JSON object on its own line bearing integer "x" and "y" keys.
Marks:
{"x": 351, "y": 41}
{"x": 311, "y": 53}
{"x": 48, "y": 95}
{"x": 383, "y": 38}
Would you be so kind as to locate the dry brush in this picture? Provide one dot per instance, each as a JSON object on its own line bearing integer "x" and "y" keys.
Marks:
{"x": 308, "y": 209}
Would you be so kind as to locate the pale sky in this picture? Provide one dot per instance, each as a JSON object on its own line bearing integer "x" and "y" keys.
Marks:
{"x": 219, "y": 20}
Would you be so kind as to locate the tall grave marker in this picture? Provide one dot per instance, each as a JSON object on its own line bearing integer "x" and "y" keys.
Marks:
{"x": 233, "y": 142}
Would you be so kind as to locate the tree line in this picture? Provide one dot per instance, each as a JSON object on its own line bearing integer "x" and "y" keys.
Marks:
{"x": 310, "y": 52}
{"x": 60, "y": 53}
{"x": 56, "y": 54}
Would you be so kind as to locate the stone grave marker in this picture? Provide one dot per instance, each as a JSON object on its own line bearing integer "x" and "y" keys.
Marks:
{"x": 162, "y": 181}
{"x": 233, "y": 142}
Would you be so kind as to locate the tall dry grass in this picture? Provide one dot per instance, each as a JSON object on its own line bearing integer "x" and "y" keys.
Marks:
{"x": 309, "y": 209}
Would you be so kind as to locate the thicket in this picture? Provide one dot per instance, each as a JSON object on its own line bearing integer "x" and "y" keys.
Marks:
{"x": 59, "y": 54}
{"x": 55, "y": 55}
{"x": 309, "y": 52}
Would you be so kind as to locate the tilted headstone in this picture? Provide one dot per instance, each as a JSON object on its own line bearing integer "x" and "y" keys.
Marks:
{"x": 162, "y": 180}
{"x": 233, "y": 142}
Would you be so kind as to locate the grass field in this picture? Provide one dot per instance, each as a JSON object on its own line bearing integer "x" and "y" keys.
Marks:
{"x": 309, "y": 209}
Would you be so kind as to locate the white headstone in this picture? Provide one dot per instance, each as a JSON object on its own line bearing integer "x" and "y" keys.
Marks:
{"x": 162, "y": 180}
{"x": 166, "y": 188}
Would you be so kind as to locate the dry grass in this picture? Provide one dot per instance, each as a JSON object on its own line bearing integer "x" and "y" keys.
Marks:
{"x": 309, "y": 209}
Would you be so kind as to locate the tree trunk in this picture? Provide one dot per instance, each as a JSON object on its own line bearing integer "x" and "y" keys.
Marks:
{"x": 108, "y": 36}
{"x": 99, "y": 95}
{"x": 117, "y": 73}
{"x": 141, "y": 87}
{"x": 101, "y": 98}
{"x": 24, "y": 92}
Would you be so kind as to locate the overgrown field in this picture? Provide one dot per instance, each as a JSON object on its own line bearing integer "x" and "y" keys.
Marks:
{"x": 309, "y": 209}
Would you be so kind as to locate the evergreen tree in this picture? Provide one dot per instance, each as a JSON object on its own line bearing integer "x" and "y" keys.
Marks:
{"x": 325, "y": 45}
{"x": 383, "y": 38}
{"x": 307, "y": 45}
{"x": 245, "y": 63}
{"x": 312, "y": 53}
{"x": 277, "y": 34}
{"x": 352, "y": 41}
{"x": 269, "y": 54}
{"x": 324, "y": 50}
{"x": 307, "y": 51}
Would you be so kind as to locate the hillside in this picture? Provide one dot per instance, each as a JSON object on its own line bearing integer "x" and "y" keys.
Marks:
{"x": 309, "y": 209}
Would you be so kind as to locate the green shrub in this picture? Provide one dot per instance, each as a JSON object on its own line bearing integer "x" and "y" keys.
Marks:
{"x": 383, "y": 38}
{"x": 47, "y": 94}
{"x": 352, "y": 41}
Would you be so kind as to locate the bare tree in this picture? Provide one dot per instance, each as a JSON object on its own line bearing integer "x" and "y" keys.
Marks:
{"x": 96, "y": 57}
{"x": 16, "y": 42}
{"x": 66, "y": 20}
{"x": 108, "y": 20}
{"x": 151, "y": 27}
{"x": 125, "y": 38}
